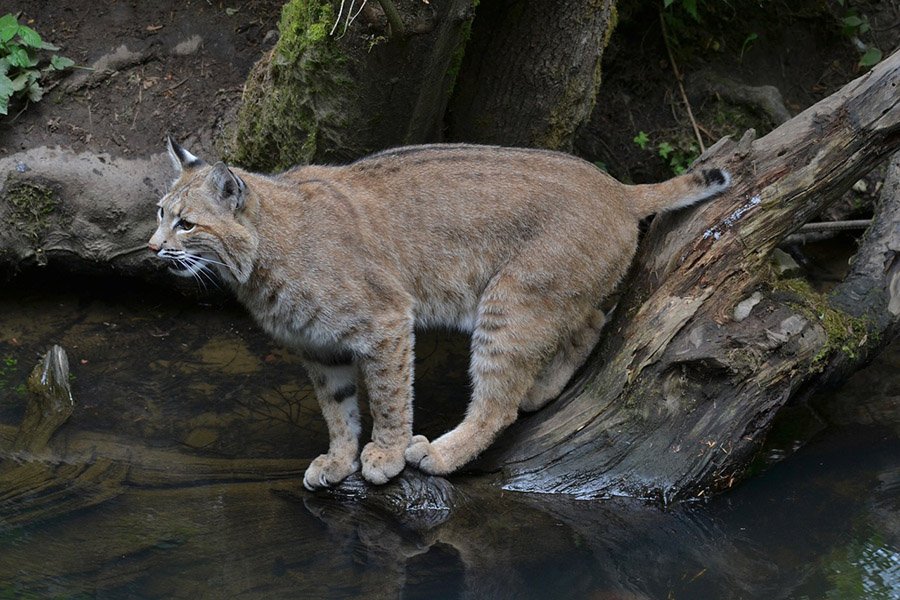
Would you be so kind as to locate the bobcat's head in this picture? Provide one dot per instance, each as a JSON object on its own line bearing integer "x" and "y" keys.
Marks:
{"x": 202, "y": 223}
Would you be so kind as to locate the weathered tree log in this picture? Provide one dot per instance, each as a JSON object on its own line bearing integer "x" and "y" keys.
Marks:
{"x": 51, "y": 403}
{"x": 530, "y": 72}
{"x": 703, "y": 348}
{"x": 79, "y": 210}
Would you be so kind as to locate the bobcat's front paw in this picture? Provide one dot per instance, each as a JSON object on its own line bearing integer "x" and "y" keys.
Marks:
{"x": 425, "y": 456}
{"x": 381, "y": 464}
{"x": 327, "y": 470}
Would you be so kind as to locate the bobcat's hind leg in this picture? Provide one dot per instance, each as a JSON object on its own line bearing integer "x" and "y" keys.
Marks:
{"x": 335, "y": 387}
{"x": 570, "y": 356}
{"x": 509, "y": 346}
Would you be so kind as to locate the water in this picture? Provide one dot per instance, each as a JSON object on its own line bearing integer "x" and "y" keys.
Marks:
{"x": 192, "y": 430}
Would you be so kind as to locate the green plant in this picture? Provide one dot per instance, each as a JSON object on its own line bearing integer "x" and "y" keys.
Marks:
{"x": 678, "y": 155}
{"x": 8, "y": 371}
{"x": 678, "y": 158}
{"x": 748, "y": 41}
{"x": 642, "y": 139}
{"x": 855, "y": 25}
{"x": 20, "y": 65}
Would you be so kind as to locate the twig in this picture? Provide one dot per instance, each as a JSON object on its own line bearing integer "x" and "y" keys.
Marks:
{"x": 813, "y": 232}
{"x": 678, "y": 78}
{"x": 835, "y": 226}
{"x": 177, "y": 85}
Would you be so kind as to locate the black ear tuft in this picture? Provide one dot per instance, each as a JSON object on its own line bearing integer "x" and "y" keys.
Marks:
{"x": 228, "y": 187}
{"x": 181, "y": 158}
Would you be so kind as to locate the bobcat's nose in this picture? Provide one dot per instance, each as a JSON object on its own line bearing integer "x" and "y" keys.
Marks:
{"x": 153, "y": 247}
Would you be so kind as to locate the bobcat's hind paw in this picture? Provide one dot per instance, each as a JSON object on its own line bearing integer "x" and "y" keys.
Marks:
{"x": 381, "y": 464}
{"x": 327, "y": 471}
{"x": 423, "y": 455}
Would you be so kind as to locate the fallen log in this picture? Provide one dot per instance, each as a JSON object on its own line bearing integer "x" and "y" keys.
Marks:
{"x": 705, "y": 346}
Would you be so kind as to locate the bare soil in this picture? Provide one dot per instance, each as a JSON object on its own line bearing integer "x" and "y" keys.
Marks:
{"x": 181, "y": 70}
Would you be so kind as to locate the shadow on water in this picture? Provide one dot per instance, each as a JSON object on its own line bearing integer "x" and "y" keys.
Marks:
{"x": 164, "y": 377}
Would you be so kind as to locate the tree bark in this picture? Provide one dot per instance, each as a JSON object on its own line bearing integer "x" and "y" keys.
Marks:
{"x": 331, "y": 91}
{"x": 531, "y": 72}
{"x": 704, "y": 347}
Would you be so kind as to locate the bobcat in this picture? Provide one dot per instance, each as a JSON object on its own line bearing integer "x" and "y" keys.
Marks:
{"x": 515, "y": 246}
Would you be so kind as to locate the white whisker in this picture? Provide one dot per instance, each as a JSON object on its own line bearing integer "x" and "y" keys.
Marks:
{"x": 209, "y": 261}
{"x": 204, "y": 271}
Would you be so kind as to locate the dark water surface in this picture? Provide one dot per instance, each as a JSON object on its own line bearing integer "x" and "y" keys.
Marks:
{"x": 192, "y": 429}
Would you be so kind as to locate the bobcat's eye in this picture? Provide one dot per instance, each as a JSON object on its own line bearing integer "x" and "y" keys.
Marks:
{"x": 184, "y": 225}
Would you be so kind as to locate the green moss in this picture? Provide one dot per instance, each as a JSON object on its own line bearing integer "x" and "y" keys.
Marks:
{"x": 845, "y": 333}
{"x": 292, "y": 102}
{"x": 31, "y": 205}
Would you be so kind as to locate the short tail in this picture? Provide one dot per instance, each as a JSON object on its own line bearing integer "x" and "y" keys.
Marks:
{"x": 677, "y": 192}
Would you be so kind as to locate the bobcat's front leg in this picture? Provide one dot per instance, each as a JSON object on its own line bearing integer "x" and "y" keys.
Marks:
{"x": 388, "y": 373}
{"x": 335, "y": 386}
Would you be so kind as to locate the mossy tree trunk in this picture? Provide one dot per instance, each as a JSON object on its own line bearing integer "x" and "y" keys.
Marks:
{"x": 331, "y": 91}
{"x": 325, "y": 94}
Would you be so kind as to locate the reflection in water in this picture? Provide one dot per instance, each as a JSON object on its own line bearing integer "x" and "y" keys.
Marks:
{"x": 169, "y": 387}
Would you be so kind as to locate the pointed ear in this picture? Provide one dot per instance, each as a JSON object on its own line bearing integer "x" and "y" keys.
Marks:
{"x": 181, "y": 158}
{"x": 228, "y": 188}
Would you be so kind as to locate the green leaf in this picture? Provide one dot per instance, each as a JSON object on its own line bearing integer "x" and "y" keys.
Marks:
{"x": 871, "y": 57}
{"x": 691, "y": 7}
{"x": 7, "y": 87}
{"x": 641, "y": 139}
{"x": 231, "y": 11}
{"x": 61, "y": 63}
{"x": 4, "y": 66}
{"x": 852, "y": 21}
{"x": 6, "y": 91}
{"x": 19, "y": 83}
{"x": 9, "y": 27}
{"x": 665, "y": 149}
{"x": 19, "y": 57}
{"x": 668, "y": 3}
{"x": 34, "y": 92}
{"x": 48, "y": 46}
{"x": 29, "y": 37}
